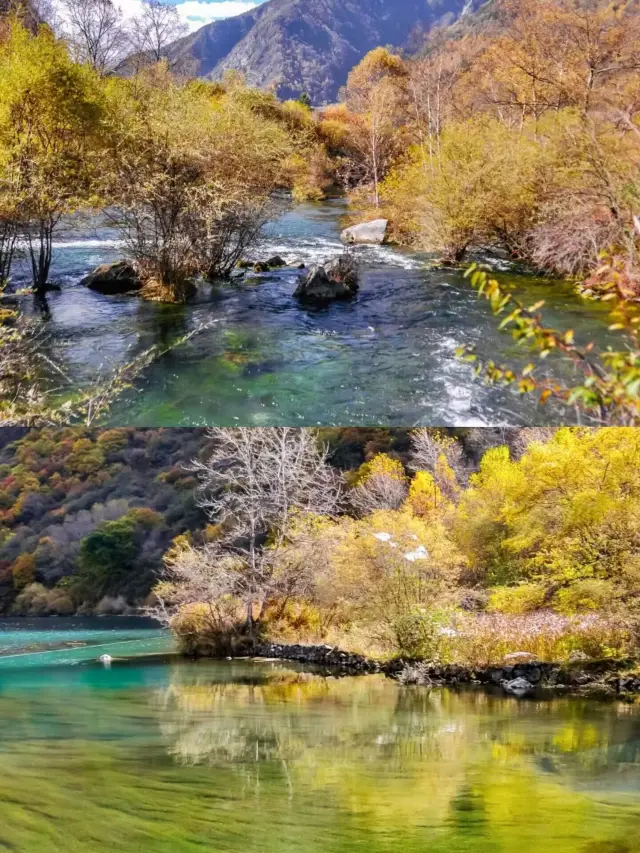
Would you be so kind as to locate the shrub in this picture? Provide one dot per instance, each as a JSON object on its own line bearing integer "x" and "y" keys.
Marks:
{"x": 523, "y": 598}
{"x": 425, "y": 634}
{"x": 212, "y": 630}
{"x": 486, "y": 639}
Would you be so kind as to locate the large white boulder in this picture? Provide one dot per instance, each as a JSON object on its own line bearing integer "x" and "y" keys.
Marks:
{"x": 372, "y": 233}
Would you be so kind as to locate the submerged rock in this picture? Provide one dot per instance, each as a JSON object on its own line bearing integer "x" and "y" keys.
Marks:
{"x": 336, "y": 280}
{"x": 274, "y": 263}
{"x": 113, "y": 279}
{"x": 372, "y": 233}
{"x": 518, "y": 687}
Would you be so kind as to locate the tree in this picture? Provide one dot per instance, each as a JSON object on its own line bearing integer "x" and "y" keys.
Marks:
{"x": 96, "y": 33}
{"x": 154, "y": 30}
{"x": 443, "y": 458}
{"x": 50, "y": 120}
{"x": 192, "y": 174}
{"x": 380, "y": 484}
{"x": 254, "y": 486}
{"x": 375, "y": 94}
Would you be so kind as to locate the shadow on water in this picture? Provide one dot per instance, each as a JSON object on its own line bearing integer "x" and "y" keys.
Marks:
{"x": 172, "y": 756}
{"x": 387, "y": 357}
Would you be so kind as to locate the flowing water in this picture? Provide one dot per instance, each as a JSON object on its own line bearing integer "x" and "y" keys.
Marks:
{"x": 164, "y": 755}
{"x": 385, "y": 358}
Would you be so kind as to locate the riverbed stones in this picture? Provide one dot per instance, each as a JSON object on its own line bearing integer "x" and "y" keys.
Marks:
{"x": 113, "y": 279}
{"x": 367, "y": 233}
{"x": 336, "y": 280}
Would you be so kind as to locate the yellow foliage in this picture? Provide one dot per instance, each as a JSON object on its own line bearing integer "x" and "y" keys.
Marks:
{"x": 23, "y": 570}
{"x": 425, "y": 498}
{"x": 381, "y": 465}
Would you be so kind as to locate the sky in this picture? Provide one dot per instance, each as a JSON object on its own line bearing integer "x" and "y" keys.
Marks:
{"x": 197, "y": 13}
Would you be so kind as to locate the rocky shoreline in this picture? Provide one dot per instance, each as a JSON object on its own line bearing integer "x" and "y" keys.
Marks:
{"x": 602, "y": 678}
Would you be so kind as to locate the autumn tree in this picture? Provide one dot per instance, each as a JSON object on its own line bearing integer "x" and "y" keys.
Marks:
{"x": 375, "y": 94}
{"x": 380, "y": 484}
{"x": 254, "y": 486}
{"x": 192, "y": 172}
{"x": 50, "y": 122}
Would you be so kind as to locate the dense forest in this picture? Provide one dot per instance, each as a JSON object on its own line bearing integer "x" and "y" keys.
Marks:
{"x": 455, "y": 546}
{"x": 86, "y": 515}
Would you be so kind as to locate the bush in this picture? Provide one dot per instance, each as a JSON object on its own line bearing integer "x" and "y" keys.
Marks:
{"x": 587, "y": 595}
{"x": 523, "y": 598}
{"x": 212, "y": 630}
{"x": 36, "y": 600}
{"x": 425, "y": 634}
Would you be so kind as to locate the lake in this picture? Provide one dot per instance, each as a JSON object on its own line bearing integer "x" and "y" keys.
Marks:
{"x": 165, "y": 755}
{"x": 385, "y": 358}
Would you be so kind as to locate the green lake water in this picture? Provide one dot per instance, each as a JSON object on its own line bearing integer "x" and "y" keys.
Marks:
{"x": 164, "y": 755}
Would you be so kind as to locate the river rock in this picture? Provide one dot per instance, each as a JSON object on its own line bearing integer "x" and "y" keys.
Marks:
{"x": 337, "y": 280}
{"x": 276, "y": 261}
{"x": 113, "y": 279}
{"x": 518, "y": 687}
{"x": 372, "y": 233}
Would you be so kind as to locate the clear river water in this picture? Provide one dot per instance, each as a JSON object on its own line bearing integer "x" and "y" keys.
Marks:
{"x": 386, "y": 358}
{"x": 164, "y": 755}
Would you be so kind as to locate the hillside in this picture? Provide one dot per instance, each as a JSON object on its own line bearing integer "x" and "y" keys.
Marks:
{"x": 297, "y": 46}
{"x": 96, "y": 509}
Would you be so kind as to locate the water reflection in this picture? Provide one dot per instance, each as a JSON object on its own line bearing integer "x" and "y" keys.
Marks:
{"x": 263, "y": 757}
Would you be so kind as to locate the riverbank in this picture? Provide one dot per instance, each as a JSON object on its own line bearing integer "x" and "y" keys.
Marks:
{"x": 387, "y": 357}
{"x": 600, "y": 678}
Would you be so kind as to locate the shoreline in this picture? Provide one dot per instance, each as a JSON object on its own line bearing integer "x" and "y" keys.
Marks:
{"x": 596, "y": 678}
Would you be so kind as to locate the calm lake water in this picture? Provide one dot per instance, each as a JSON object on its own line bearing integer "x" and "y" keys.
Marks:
{"x": 385, "y": 358}
{"x": 162, "y": 755}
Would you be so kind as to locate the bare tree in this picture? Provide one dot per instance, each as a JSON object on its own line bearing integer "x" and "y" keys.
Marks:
{"x": 379, "y": 491}
{"x": 254, "y": 486}
{"x": 95, "y": 31}
{"x": 443, "y": 457}
{"x": 515, "y": 438}
{"x": 154, "y": 30}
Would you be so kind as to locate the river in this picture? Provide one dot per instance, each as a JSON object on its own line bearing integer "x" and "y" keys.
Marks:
{"x": 164, "y": 755}
{"x": 386, "y": 358}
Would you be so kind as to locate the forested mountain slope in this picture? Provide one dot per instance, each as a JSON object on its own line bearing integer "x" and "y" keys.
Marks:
{"x": 298, "y": 46}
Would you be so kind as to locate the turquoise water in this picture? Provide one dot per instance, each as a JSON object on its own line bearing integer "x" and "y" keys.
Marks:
{"x": 385, "y": 358}
{"x": 48, "y": 642}
{"x": 164, "y": 755}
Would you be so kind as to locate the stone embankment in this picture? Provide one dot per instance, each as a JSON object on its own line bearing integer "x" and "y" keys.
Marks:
{"x": 606, "y": 677}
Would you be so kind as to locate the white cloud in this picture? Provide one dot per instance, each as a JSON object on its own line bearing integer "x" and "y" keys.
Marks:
{"x": 197, "y": 13}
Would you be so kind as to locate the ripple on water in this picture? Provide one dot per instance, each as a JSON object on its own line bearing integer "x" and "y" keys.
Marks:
{"x": 387, "y": 357}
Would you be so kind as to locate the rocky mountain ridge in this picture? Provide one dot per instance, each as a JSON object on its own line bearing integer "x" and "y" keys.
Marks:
{"x": 296, "y": 46}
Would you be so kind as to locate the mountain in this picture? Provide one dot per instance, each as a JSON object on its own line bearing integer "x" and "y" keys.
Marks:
{"x": 296, "y": 46}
